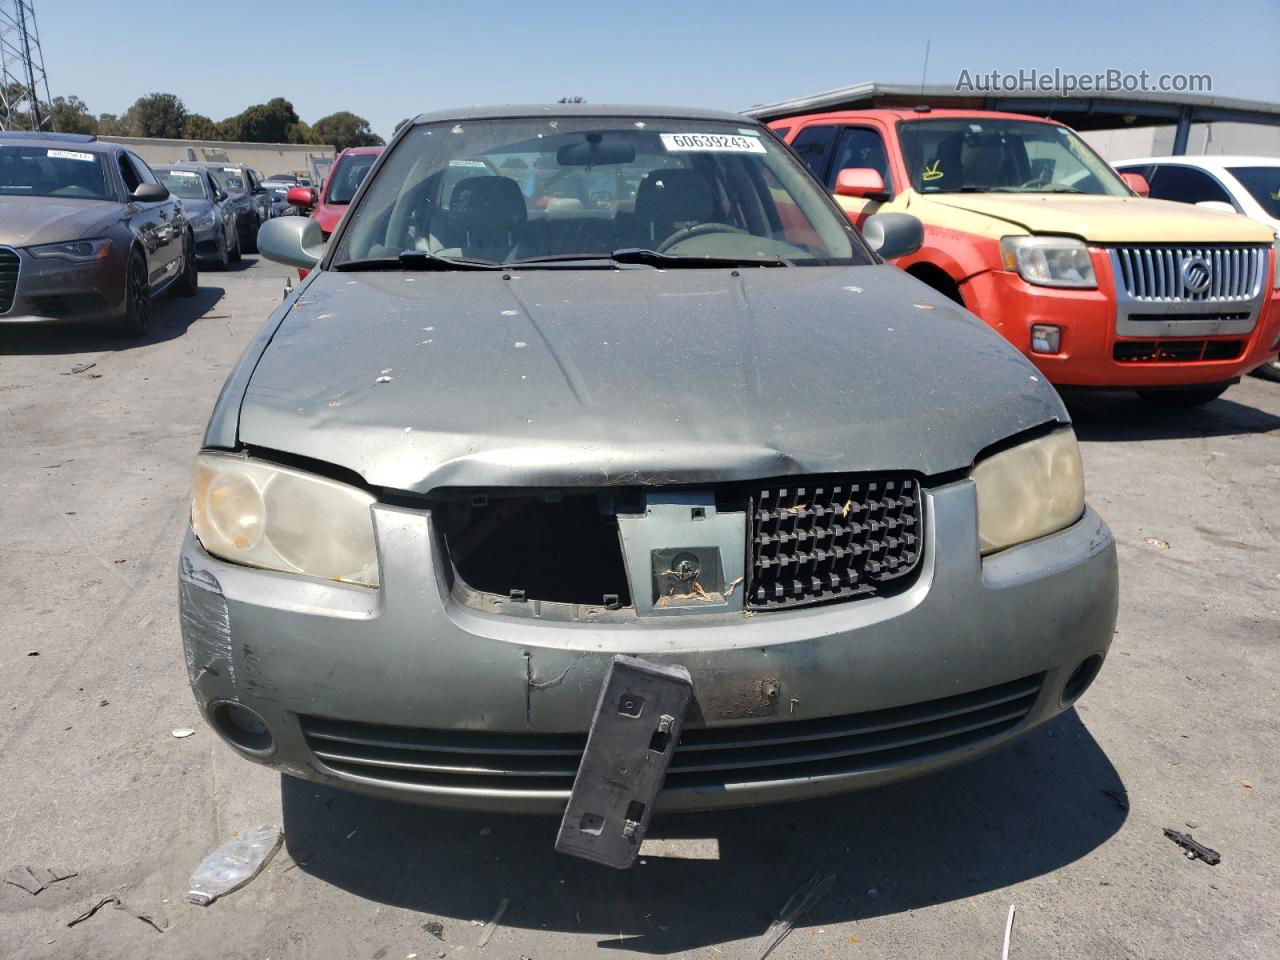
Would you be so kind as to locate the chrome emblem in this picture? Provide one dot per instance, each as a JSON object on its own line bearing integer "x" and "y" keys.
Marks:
{"x": 1196, "y": 274}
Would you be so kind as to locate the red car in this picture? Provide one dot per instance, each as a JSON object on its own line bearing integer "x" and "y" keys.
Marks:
{"x": 348, "y": 172}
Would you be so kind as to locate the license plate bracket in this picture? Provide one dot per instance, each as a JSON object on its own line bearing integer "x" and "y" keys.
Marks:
{"x": 633, "y": 736}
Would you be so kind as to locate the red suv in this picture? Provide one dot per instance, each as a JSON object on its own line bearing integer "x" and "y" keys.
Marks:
{"x": 348, "y": 172}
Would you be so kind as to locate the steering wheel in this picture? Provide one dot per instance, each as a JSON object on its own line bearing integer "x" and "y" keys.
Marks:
{"x": 700, "y": 230}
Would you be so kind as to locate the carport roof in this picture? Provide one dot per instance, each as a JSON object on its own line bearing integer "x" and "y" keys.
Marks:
{"x": 1095, "y": 111}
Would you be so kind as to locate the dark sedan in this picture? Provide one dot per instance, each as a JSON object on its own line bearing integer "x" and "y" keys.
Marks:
{"x": 208, "y": 209}
{"x": 247, "y": 196}
{"x": 87, "y": 232}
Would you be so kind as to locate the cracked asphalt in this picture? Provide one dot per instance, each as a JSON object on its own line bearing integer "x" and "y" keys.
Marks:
{"x": 1179, "y": 731}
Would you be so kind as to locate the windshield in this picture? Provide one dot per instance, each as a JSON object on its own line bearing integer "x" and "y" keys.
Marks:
{"x": 579, "y": 188}
{"x": 1263, "y": 184}
{"x": 229, "y": 181}
{"x": 183, "y": 183}
{"x": 347, "y": 177}
{"x": 985, "y": 155}
{"x": 27, "y": 171}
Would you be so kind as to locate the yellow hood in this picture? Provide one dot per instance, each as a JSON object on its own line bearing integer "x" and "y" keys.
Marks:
{"x": 1099, "y": 219}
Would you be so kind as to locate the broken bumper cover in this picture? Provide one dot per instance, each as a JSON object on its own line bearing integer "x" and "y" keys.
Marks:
{"x": 403, "y": 692}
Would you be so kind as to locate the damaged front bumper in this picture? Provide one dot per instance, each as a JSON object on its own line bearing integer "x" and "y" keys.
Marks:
{"x": 406, "y": 693}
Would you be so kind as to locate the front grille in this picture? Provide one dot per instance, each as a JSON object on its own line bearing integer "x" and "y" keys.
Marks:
{"x": 818, "y": 541}
{"x": 705, "y": 758}
{"x": 66, "y": 304}
{"x": 1176, "y": 351}
{"x": 9, "y": 267}
{"x": 1168, "y": 274}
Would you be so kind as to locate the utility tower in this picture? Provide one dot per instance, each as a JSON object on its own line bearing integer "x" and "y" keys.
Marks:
{"x": 24, "y": 89}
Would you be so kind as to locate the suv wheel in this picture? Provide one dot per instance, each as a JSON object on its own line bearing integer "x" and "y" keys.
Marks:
{"x": 1269, "y": 370}
{"x": 137, "y": 298}
{"x": 1187, "y": 397}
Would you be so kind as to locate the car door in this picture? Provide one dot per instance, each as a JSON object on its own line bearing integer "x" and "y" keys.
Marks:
{"x": 1187, "y": 185}
{"x": 861, "y": 146}
{"x": 143, "y": 219}
{"x": 170, "y": 227}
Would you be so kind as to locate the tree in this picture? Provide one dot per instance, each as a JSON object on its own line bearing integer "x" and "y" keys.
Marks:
{"x": 70, "y": 115}
{"x": 344, "y": 129}
{"x": 157, "y": 115}
{"x": 199, "y": 127}
{"x": 110, "y": 125}
{"x": 301, "y": 132}
{"x": 268, "y": 122}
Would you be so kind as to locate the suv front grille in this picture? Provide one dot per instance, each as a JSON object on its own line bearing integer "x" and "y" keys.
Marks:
{"x": 1176, "y": 351}
{"x": 1168, "y": 274}
{"x": 838, "y": 540}
{"x": 707, "y": 758}
{"x": 9, "y": 266}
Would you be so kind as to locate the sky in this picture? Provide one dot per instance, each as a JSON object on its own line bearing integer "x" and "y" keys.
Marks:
{"x": 390, "y": 59}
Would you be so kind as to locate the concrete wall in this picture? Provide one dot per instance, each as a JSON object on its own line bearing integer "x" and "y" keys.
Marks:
{"x": 266, "y": 158}
{"x": 1250, "y": 139}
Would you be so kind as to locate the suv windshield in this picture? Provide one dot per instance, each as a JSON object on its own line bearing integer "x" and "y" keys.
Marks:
{"x": 229, "y": 180}
{"x": 985, "y": 155}
{"x": 509, "y": 191}
{"x": 1263, "y": 184}
{"x": 183, "y": 183}
{"x": 348, "y": 176}
{"x": 28, "y": 171}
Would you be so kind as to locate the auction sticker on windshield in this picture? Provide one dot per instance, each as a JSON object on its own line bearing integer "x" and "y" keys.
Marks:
{"x": 712, "y": 143}
{"x": 180, "y": 173}
{"x": 69, "y": 155}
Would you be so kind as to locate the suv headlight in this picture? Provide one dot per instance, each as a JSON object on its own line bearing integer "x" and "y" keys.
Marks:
{"x": 262, "y": 515}
{"x": 77, "y": 251}
{"x": 1029, "y": 491}
{"x": 1049, "y": 261}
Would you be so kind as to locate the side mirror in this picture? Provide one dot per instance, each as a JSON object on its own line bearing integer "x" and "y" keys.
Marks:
{"x": 1220, "y": 205}
{"x": 861, "y": 182}
{"x": 293, "y": 241}
{"x": 149, "y": 193}
{"x": 893, "y": 235}
{"x": 1137, "y": 183}
{"x": 303, "y": 197}
{"x": 221, "y": 196}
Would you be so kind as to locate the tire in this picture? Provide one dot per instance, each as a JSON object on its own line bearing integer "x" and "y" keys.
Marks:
{"x": 252, "y": 245}
{"x": 137, "y": 298}
{"x": 224, "y": 255}
{"x": 188, "y": 283}
{"x": 235, "y": 251}
{"x": 1188, "y": 397}
{"x": 1269, "y": 371}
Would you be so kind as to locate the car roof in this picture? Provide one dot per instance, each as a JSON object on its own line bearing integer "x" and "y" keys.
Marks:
{"x": 910, "y": 113}
{"x": 1215, "y": 162}
{"x": 184, "y": 165}
{"x": 83, "y": 141}
{"x": 534, "y": 110}
{"x": 359, "y": 152}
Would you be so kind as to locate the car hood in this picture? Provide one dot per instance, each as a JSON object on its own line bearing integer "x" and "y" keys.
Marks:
{"x": 31, "y": 220}
{"x": 197, "y": 208}
{"x": 1106, "y": 219}
{"x": 634, "y": 377}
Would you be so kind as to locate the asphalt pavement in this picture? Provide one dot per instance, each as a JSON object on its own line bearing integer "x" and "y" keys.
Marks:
{"x": 1179, "y": 731}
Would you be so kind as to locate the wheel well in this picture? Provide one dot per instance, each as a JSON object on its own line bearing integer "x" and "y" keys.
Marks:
{"x": 937, "y": 278}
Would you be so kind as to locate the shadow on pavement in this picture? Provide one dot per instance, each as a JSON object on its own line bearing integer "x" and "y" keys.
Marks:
{"x": 1108, "y": 416}
{"x": 1006, "y": 817}
{"x": 170, "y": 318}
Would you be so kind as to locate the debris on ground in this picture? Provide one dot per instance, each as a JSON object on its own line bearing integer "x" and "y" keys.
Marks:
{"x": 492, "y": 925}
{"x": 1120, "y": 797}
{"x": 234, "y": 864}
{"x": 1008, "y": 932}
{"x": 33, "y": 653}
{"x": 35, "y": 879}
{"x": 1156, "y": 542}
{"x": 159, "y": 925}
{"x": 1246, "y": 784}
{"x": 1195, "y": 850}
{"x": 183, "y": 732}
{"x": 801, "y": 901}
{"x": 80, "y": 368}
{"x": 435, "y": 928}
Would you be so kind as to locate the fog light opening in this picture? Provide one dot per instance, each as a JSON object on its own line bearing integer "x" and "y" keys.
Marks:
{"x": 242, "y": 727}
{"x": 1045, "y": 338}
{"x": 1080, "y": 679}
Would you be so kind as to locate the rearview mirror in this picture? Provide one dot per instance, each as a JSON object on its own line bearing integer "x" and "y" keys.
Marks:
{"x": 149, "y": 193}
{"x": 861, "y": 182}
{"x": 303, "y": 197}
{"x": 893, "y": 235}
{"x": 293, "y": 241}
{"x": 594, "y": 153}
{"x": 1137, "y": 183}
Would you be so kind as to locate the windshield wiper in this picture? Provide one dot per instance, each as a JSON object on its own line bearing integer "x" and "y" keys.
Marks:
{"x": 654, "y": 258}
{"x": 417, "y": 260}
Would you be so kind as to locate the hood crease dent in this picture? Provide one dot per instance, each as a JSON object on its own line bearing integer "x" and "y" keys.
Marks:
{"x": 635, "y": 377}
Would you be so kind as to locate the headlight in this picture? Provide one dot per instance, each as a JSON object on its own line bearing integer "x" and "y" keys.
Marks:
{"x": 200, "y": 222}
{"x": 1029, "y": 491}
{"x": 266, "y": 516}
{"x": 77, "y": 251}
{"x": 1049, "y": 261}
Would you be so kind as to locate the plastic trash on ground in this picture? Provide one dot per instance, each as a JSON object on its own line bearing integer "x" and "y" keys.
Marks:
{"x": 234, "y": 864}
